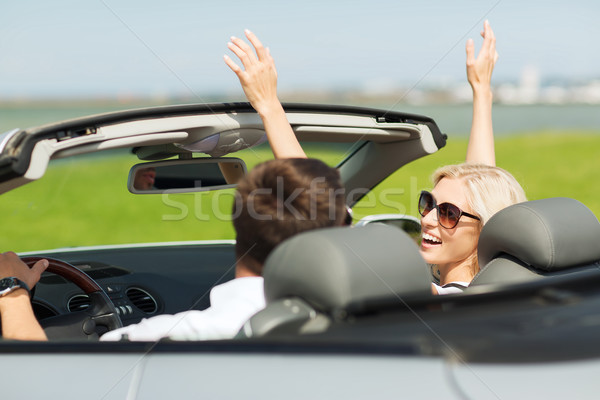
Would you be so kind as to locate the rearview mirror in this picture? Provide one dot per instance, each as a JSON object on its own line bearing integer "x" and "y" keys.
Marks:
{"x": 183, "y": 176}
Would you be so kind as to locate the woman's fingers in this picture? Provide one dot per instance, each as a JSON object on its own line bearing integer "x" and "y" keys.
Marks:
{"x": 470, "y": 52}
{"x": 480, "y": 66}
{"x": 257, "y": 76}
{"x": 487, "y": 53}
{"x": 245, "y": 49}
{"x": 489, "y": 39}
{"x": 247, "y": 54}
{"x": 244, "y": 57}
{"x": 489, "y": 30}
{"x": 231, "y": 64}
{"x": 261, "y": 52}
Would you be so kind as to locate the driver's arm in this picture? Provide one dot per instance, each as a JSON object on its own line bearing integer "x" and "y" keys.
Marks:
{"x": 16, "y": 313}
{"x": 18, "y": 321}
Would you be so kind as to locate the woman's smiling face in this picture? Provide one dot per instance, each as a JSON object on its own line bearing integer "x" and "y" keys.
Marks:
{"x": 449, "y": 248}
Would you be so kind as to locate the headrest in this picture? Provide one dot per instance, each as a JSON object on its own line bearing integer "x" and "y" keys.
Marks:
{"x": 550, "y": 234}
{"x": 333, "y": 268}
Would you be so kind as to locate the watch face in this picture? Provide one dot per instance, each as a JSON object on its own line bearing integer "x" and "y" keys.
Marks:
{"x": 9, "y": 284}
{"x": 6, "y": 283}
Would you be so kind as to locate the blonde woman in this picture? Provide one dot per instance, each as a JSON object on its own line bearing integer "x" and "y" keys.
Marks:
{"x": 464, "y": 196}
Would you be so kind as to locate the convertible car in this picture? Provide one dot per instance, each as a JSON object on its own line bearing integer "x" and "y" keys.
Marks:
{"x": 349, "y": 312}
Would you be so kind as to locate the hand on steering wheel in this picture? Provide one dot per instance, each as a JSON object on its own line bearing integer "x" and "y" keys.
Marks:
{"x": 100, "y": 313}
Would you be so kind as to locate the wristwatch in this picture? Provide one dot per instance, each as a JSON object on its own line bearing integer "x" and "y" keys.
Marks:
{"x": 8, "y": 285}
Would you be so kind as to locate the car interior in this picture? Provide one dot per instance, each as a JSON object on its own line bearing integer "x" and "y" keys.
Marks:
{"x": 316, "y": 283}
{"x": 148, "y": 279}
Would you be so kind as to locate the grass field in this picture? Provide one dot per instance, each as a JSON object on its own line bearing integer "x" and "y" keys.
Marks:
{"x": 75, "y": 205}
{"x": 547, "y": 164}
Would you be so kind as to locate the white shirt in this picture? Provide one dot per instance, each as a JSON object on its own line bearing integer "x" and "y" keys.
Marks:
{"x": 452, "y": 287}
{"x": 232, "y": 304}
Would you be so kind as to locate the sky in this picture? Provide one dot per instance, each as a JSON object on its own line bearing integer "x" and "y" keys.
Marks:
{"x": 115, "y": 48}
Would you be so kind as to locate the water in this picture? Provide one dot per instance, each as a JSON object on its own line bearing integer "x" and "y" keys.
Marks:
{"x": 455, "y": 120}
{"x": 30, "y": 115}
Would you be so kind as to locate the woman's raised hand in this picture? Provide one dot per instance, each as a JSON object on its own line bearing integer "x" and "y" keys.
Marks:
{"x": 479, "y": 73}
{"x": 479, "y": 70}
{"x": 259, "y": 76}
{"x": 259, "y": 81}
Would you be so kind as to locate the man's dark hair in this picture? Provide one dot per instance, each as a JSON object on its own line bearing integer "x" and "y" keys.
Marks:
{"x": 280, "y": 198}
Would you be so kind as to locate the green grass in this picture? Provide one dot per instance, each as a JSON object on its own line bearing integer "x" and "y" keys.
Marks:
{"x": 96, "y": 208}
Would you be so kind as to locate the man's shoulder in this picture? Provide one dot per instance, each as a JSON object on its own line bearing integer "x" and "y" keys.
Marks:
{"x": 245, "y": 283}
{"x": 246, "y": 288}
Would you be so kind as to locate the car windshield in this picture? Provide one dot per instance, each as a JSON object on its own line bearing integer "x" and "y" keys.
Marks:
{"x": 84, "y": 201}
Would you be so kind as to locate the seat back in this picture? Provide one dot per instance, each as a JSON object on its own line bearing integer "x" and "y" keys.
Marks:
{"x": 330, "y": 273}
{"x": 536, "y": 239}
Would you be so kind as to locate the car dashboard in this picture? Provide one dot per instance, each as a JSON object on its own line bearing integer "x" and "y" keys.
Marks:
{"x": 141, "y": 280}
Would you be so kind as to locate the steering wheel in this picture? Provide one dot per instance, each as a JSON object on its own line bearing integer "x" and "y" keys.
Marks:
{"x": 99, "y": 317}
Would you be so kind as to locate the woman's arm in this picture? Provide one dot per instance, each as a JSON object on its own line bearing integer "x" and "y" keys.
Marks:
{"x": 479, "y": 75}
{"x": 259, "y": 81}
{"x": 18, "y": 320}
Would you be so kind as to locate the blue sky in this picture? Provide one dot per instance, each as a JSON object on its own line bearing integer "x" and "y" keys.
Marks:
{"x": 111, "y": 48}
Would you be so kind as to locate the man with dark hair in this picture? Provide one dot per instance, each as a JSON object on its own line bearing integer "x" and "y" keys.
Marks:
{"x": 278, "y": 199}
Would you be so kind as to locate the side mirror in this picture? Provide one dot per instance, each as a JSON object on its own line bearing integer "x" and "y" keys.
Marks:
{"x": 183, "y": 176}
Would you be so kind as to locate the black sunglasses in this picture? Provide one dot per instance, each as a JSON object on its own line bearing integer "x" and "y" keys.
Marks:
{"x": 448, "y": 214}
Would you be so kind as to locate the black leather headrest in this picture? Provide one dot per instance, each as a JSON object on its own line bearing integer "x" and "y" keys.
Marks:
{"x": 550, "y": 234}
{"x": 332, "y": 268}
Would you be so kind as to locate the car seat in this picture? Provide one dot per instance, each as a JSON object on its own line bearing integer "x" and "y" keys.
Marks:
{"x": 327, "y": 275}
{"x": 538, "y": 239}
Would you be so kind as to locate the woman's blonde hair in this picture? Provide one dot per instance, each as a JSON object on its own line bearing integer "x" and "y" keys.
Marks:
{"x": 488, "y": 189}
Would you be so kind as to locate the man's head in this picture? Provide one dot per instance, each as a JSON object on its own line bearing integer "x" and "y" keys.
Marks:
{"x": 280, "y": 198}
